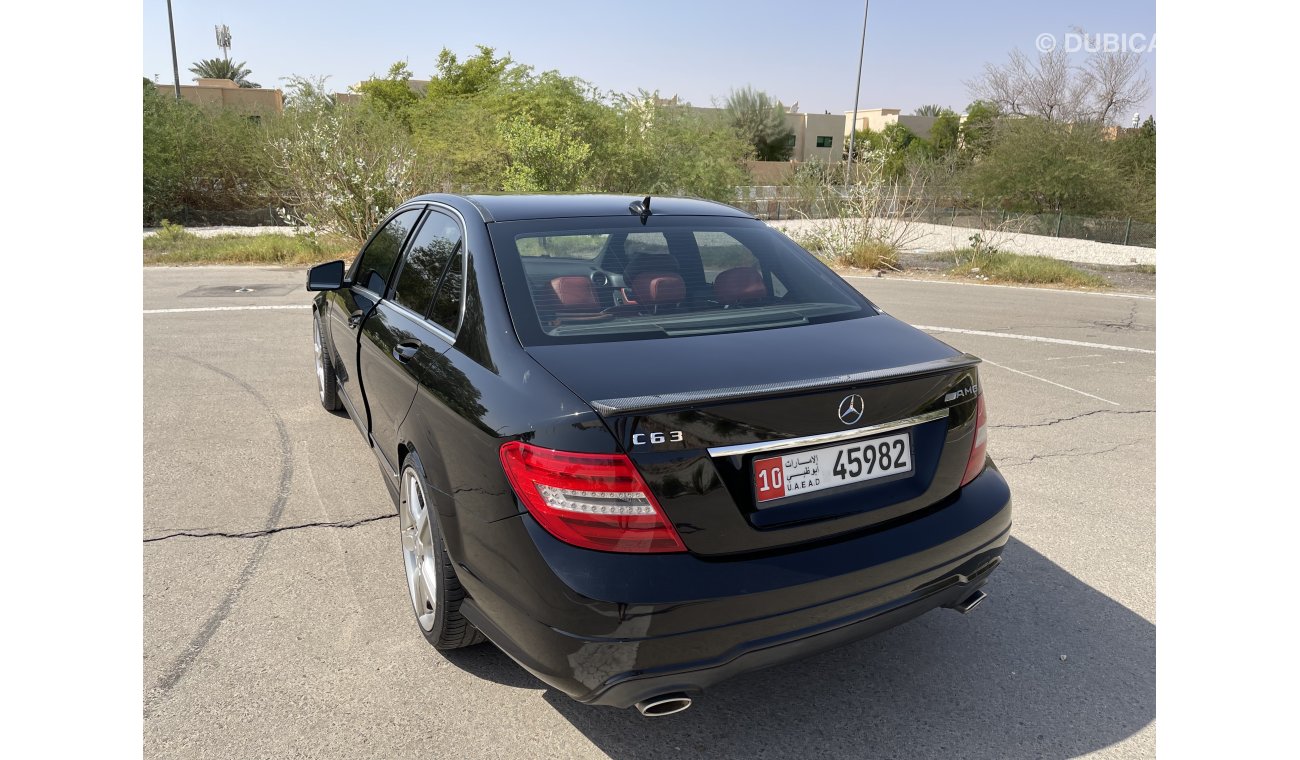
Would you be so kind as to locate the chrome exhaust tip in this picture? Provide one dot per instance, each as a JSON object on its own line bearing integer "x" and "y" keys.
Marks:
{"x": 664, "y": 704}
{"x": 970, "y": 602}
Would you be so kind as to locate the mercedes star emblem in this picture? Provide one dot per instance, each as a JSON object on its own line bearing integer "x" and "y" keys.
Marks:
{"x": 851, "y": 409}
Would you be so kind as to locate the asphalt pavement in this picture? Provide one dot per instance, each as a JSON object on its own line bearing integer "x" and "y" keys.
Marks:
{"x": 277, "y": 623}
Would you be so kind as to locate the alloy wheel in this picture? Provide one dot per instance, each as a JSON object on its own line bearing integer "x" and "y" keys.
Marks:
{"x": 418, "y": 550}
{"x": 320, "y": 358}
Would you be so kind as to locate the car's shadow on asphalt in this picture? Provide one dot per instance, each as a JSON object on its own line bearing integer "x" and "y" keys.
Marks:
{"x": 1047, "y": 666}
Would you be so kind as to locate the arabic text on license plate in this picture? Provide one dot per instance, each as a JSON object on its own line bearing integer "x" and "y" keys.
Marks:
{"x": 817, "y": 469}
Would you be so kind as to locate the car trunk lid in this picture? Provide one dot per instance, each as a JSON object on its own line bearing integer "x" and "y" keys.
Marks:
{"x": 696, "y": 413}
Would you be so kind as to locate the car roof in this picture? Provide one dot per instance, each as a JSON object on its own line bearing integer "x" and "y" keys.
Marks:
{"x": 509, "y": 208}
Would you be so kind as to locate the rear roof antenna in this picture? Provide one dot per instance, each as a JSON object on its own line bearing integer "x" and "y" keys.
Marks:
{"x": 641, "y": 208}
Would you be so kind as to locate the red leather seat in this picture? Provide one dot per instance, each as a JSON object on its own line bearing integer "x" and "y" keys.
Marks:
{"x": 740, "y": 284}
{"x": 575, "y": 294}
{"x": 659, "y": 288}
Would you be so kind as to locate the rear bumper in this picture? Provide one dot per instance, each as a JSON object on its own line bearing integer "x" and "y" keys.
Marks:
{"x": 622, "y": 628}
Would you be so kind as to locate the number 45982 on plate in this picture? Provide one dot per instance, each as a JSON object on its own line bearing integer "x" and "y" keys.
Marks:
{"x": 818, "y": 469}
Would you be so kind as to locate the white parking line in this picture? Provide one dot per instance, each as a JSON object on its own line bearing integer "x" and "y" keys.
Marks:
{"x": 228, "y": 308}
{"x": 1034, "y": 338}
{"x": 1051, "y": 382}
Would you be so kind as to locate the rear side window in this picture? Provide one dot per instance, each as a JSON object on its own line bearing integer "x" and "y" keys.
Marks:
{"x": 669, "y": 277}
{"x": 446, "y": 306}
{"x": 720, "y": 252}
{"x": 585, "y": 247}
{"x": 426, "y": 260}
{"x": 375, "y": 265}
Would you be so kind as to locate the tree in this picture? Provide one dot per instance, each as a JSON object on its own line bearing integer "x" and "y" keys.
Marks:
{"x": 1135, "y": 156}
{"x": 864, "y": 141}
{"x": 466, "y": 126}
{"x": 977, "y": 130}
{"x": 479, "y": 74}
{"x": 307, "y": 92}
{"x": 892, "y": 148}
{"x": 200, "y": 159}
{"x": 1052, "y": 87}
{"x": 223, "y": 68}
{"x": 945, "y": 131}
{"x": 343, "y": 169}
{"x": 1037, "y": 165}
{"x": 542, "y": 158}
{"x": 900, "y": 146}
{"x": 1115, "y": 82}
{"x": 761, "y": 122}
{"x": 674, "y": 150}
{"x": 460, "y": 140}
{"x": 391, "y": 95}
{"x": 931, "y": 109}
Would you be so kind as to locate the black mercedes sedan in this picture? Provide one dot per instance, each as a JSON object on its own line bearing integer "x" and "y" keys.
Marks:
{"x": 645, "y": 444}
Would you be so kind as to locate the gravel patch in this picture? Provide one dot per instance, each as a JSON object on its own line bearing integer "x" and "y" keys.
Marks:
{"x": 232, "y": 230}
{"x": 939, "y": 238}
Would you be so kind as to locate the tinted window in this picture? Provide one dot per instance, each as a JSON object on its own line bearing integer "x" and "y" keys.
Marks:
{"x": 685, "y": 276}
{"x": 720, "y": 252}
{"x": 563, "y": 246}
{"x": 446, "y": 307}
{"x": 376, "y": 262}
{"x": 434, "y": 244}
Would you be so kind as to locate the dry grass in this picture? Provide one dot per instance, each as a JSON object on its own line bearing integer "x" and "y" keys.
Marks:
{"x": 871, "y": 254}
{"x": 1000, "y": 266}
{"x": 174, "y": 245}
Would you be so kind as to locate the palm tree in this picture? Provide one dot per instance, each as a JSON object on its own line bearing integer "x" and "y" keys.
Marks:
{"x": 761, "y": 121}
{"x": 222, "y": 68}
{"x": 930, "y": 109}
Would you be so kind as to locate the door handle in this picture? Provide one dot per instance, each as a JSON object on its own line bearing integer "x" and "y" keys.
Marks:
{"x": 354, "y": 320}
{"x": 406, "y": 351}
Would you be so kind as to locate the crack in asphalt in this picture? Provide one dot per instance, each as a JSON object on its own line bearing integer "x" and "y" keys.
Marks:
{"x": 181, "y": 665}
{"x": 1075, "y": 417}
{"x": 1070, "y": 453}
{"x": 1128, "y": 323}
{"x": 271, "y": 531}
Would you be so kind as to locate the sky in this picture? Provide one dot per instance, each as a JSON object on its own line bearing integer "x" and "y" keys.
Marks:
{"x": 916, "y": 52}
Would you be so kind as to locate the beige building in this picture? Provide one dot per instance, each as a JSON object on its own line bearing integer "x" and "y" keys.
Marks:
{"x": 817, "y": 136}
{"x": 876, "y": 119}
{"x": 225, "y": 93}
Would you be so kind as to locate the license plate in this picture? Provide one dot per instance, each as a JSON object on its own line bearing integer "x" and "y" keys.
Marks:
{"x": 812, "y": 470}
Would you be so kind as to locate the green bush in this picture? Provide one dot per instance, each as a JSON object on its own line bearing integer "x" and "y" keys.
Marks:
{"x": 344, "y": 168}
{"x": 170, "y": 235}
{"x": 1037, "y": 166}
{"x": 211, "y": 159}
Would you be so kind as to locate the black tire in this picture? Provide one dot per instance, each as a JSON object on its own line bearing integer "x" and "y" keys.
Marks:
{"x": 450, "y": 629}
{"x": 327, "y": 382}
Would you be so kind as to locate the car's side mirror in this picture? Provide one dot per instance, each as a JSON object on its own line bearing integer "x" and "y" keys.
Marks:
{"x": 325, "y": 276}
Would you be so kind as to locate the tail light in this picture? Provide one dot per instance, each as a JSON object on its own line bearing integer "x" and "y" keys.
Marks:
{"x": 596, "y": 501}
{"x": 979, "y": 448}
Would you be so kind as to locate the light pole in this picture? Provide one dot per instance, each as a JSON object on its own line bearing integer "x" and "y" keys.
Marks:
{"x": 176, "y": 71}
{"x": 857, "y": 90}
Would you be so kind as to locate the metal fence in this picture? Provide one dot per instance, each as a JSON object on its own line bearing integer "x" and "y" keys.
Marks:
{"x": 771, "y": 203}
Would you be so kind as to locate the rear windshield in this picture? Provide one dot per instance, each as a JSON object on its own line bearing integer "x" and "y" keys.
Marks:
{"x": 613, "y": 278}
